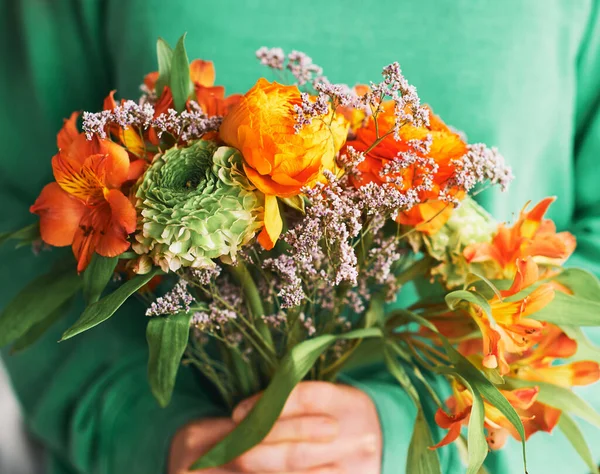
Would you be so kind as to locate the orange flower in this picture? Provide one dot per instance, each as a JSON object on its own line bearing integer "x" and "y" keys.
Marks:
{"x": 128, "y": 137}
{"x": 497, "y": 425}
{"x": 210, "y": 97}
{"x": 531, "y": 236}
{"x": 510, "y": 330}
{"x": 538, "y": 364}
{"x": 277, "y": 160}
{"x": 446, "y": 146}
{"x": 85, "y": 207}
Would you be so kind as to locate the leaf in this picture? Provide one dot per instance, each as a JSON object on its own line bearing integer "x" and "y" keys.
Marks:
{"x": 581, "y": 282}
{"x": 421, "y": 459}
{"x": 375, "y": 313}
{"x": 570, "y": 310}
{"x": 292, "y": 369}
{"x": 96, "y": 277}
{"x": 167, "y": 339}
{"x": 399, "y": 373}
{"x": 478, "y": 382}
{"x": 180, "y": 82}
{"x": 101, "y": 310}
{"x": 478, "y": 447}
{"x": 165, "y": 57}
{"x": 26, "y": 235}
{"x": 572, "y": 432}
{"x": 295, "y": 202}
{"x": 39, "y": 329}
{"x": 562, "y": 398}
{"x": 454, "y": 299}
{"x": 36, "y": 302}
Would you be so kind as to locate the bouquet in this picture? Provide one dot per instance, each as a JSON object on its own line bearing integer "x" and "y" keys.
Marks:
{"x": 267, "y": 233}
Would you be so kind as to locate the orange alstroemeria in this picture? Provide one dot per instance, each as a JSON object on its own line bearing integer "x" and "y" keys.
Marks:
{"x": 446, "y": 147}
{"x": 497, "y": 425}
{"x": 128, "y": 137}
{"x": 539, "y": 363}
{"x": 277, "y": 160}
{"x": 85, "y": 207}
{"x": 510, "y": 330}
{"x": 531, "y": 236}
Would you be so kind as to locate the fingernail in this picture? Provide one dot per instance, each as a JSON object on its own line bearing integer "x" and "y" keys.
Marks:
{"x": 369, "y": 443}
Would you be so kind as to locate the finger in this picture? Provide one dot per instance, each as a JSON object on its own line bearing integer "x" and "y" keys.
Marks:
{"x": 331, "y": 469}
{"x": 314, "y": 398}
{"x": 194, "y": 440}
{"x": 290, "y": 457}
{"x": 313, "y": 428}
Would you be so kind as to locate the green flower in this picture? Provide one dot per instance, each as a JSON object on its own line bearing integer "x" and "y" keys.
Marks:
{"x": 196, "y": 205}
{"x": 469, "y": 224}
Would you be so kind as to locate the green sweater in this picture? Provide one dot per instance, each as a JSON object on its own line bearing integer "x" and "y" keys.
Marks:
{"x": 523, "y": 75}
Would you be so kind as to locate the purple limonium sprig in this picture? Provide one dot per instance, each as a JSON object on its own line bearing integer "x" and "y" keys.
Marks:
{"x": 310, "y": 109}
{"x": 175, "y": 301}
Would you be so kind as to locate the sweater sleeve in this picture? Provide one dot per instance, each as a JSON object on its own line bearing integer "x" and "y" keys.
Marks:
{"x": 87, "y": 399}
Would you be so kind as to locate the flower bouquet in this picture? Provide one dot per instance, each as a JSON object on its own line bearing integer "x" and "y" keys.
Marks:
{"x": 266, "y": 233}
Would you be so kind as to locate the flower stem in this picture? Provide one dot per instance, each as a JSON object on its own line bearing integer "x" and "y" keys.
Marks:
{"x": 254, "y": 302}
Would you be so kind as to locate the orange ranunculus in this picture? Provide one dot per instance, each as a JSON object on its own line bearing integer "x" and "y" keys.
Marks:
{"x": 279, "y": 161}
{"x": 85, "y": 207}
{"x": 531, "y": 235}
{"x": 446, "y": 146}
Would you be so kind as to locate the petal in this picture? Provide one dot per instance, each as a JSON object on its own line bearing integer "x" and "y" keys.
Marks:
{"x": 84, "y": 244}
{"x": 122, "y": 210}
{"x": 268, "y": 186}
{"x": 109, "y": 101}
{"x": 202, "y": 72}
{"x": 132, "y": 140}
{"x": 150, "y": 80}
{"x": 136, "y": 169}
{"x": 60, "y": 215}
{"x": 116, "y": 165}
{"x": 273, "y": 223}
{"x": 68, "y": 132}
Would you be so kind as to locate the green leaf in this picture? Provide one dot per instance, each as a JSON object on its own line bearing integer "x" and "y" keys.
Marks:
{"x": 96, "y": 277}
{"x": 36, "y": 302}
{"x": 180, "y": 82}
{"x": 570, "y": 310}
{"x": 38, "y": 329}
{"x": 421, "y": 459}
{"x": 165, "y": 57}
{"x": 478, "y": 447}
{"x": 582, "y": 283}
{"x": 399, "y": 373}
{"x": 455, "y": 298}
{"x": 295, "y": 202}
{"x": 26, "y": 235}
{"x": 375, "y": 314}
{"x": 167, "y": 339}
{"x": 572, "y": 432}
{"x": 292, "y": 369}
{"x": 101, "y": 310}
{"x": 560, "y": 397}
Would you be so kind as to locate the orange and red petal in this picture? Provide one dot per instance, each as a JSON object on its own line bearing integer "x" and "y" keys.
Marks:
{"x": 202, "y": 72}
{"x": 68, "y": 132}
{"x": 122, "y": 211}
{"x": 60, "y": 215}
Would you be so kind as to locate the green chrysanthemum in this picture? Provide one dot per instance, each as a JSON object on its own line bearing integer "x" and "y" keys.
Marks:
{"x": 196, "y": 205}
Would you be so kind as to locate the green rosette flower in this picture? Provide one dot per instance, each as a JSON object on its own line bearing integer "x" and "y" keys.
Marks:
{"x": 196, "y": 205}
{"x": 469, "y": 224}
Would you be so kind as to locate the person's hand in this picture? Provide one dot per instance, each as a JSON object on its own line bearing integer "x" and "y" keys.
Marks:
{"x": 324, "y": 429}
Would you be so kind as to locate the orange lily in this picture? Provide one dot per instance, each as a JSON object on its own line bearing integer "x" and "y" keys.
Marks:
{"x": 85, "y": 207}
{"x": 530, "y": 236}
